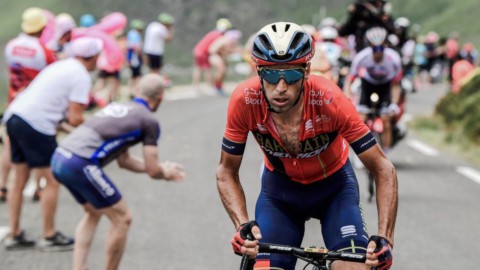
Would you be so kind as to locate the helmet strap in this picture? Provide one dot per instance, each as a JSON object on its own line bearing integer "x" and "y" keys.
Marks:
{"x": 269, "y": 107}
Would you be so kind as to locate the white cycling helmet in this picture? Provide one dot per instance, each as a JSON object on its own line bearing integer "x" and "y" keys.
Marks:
{"x": 282, "y": 43}
{"x": 393, "y": 40}
{"x": 402, "y": 22}
{"x": 329, "y": 33}
{"x": 388, "y": 8}
{"x": 376, "y": 36}
{"x": 328, "y": 21}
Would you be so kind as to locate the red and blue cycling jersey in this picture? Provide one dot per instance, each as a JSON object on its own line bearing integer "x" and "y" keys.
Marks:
{"x": 330, "y": 122}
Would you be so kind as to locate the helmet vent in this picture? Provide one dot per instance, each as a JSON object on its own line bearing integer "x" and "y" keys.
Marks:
{"x": 274, "y": 27}
{"x": 295, "y": 41}
{"x": 265, "y": 42}
{"x": 287, "y": 26}
{"x": 306, "y": 49}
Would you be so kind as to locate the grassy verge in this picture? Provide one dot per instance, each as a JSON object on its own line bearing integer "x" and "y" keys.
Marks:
{"x": 433, "y": 131}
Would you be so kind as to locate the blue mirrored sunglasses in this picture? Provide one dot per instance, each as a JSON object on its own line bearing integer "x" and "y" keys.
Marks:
{"x": 378, "y": 48}
{"x": 273, "y": 76}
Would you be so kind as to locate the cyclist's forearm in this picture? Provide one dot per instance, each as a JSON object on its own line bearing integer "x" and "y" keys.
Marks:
{"x": 233, "y": 198}
{"x": 133, "y": 164}
{"x": 387, "y": 200}
{"x": 396, "y": 92}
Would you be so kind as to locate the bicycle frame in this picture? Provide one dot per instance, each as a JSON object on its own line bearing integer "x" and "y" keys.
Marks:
{"x": 318, "y": 257}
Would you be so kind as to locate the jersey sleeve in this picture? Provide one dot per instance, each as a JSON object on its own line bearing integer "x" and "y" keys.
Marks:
{"x": 236, "y": 131}
{"x": 151, "y": 131}
{"x": 351, "y": 126}
{"x": 80, "y": 90}
{"x": 163, "y": 31}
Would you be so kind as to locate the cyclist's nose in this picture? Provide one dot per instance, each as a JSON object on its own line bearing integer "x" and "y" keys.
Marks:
{"x": 282, "y": 86}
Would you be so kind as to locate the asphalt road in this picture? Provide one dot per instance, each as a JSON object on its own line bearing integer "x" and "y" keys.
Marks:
{"x": 184, "y": 225}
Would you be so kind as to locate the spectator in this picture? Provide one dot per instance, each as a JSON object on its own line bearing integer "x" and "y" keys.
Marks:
{"x": 156, "y": 34}
{"x": 469, "y": 53}
{"x": 64, "y": 25}
{"x": 87, "y": 20}
{"x": 219, "y": 51}
{"x": 134, "y": 53}
{"x": 33, "y": 135}
{"x": 78, "y": 164}
{"x": 26, "y": 56}
{"x": 201, "y": 54}
{"x": 452, "y": 52}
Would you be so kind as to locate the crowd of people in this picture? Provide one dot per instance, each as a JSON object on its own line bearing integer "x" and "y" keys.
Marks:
{"x": 296, "y": 71}
{"x": 64, "y": 72}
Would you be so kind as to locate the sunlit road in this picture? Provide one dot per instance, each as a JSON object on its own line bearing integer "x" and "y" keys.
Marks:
{"x": 184, "y": 225}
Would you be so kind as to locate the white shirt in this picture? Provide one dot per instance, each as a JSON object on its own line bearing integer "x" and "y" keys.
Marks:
{"x": 155, "y": 36}
{"x": 27, "y": 51}
{"x": 376, "y": 73}
{"x": 408, "y": 51}
{"x": 45, "y": 101}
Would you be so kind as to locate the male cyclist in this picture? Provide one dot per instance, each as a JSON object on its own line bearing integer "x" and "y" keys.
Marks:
{"x": 380, "y": 69}
{"x": 302, "y": 123}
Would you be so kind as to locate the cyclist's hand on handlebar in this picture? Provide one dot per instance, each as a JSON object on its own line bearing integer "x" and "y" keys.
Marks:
{"x": 393, "y": 109}
{"x": 245, "y": 240}
{"x": 379, "y": 253}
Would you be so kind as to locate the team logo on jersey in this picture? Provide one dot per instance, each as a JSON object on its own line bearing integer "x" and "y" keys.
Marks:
{"x": 308, "y": 148}
{"x": 24, "y": 52}
{"x": 115, "y": 110}
{"x": 322, "y": 118}
{"x": 309, "y": 125}
{"x": 315, "y": 98}
{"x": 320, "y": 97}
{"x": 327, "y": 97}
{"x": 378, "y": 73}
{"x": 261, "y": 127}
{"x": 253, "y": 96}
{"x": 348, "y": 231}
{"x": 310, "y": 56}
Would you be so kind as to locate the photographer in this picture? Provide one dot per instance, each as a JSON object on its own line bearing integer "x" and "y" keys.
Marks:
{"x": 363, "y": 15}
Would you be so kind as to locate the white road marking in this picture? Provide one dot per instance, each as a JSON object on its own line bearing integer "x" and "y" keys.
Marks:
{"x": 4, "y": 230}
{"x": 423, "y": 148}
{"x": 181, "y": 95}
{"x": 469, "y": 173}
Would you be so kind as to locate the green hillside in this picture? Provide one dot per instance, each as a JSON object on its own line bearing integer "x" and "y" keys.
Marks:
{"x": 195, "y": 17}
{"x": 443, "y": 16}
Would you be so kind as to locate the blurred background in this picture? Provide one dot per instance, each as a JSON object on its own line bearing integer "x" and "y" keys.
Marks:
{"x": 194, "y": 18}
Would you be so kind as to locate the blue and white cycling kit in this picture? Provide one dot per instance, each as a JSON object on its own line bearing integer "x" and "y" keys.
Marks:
{"x": 78, "y": 161}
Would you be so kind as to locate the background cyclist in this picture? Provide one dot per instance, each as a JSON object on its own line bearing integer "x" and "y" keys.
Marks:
{"x": 380, "y": 69}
